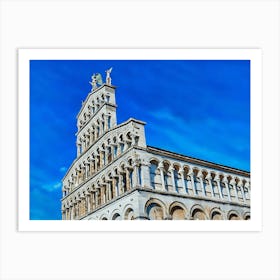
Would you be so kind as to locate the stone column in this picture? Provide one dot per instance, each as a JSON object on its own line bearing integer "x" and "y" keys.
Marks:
{"x": 102, "y": 194}
{"x": 145, "y": 180}
{"x": 247, "y": 185}
{"x": 171, "y": 170}
{"x": 96, "y": 161}
{"x": 91, "y": 136}
{"x": 121, "y": 190}
{"x": 78, "y": 148}
{"x": 105, "y": 156}
{"x": 72, "y": 211}
{"x": 87, "y": 140}
{"x": 225, "y": 181}
{"x": 161, "y": 169}
{"x": 233, "y": 183}
{"x": 209, "y": 179}
{"x": 78, "y": 208}
{"x": 83, "y": 145}
{"x": 127, "y": 173}
{"x": 96, "y": 204}
{"x": 86, "y": 170}
{"x": 190, "y": 173}
{"x": 88, "y": 204}
{"x": 240, "y": 184}
{"x": 91, "y": 166}
{"x": 113, "y": 187}
{"x": 95, "y": 132}
{"x": 217, "y": 179}
{"x": 200, "y": 176}
{"x": 181, "y": 173}
{"x": 136, "y": 175}
{"x": 106, "y": 122}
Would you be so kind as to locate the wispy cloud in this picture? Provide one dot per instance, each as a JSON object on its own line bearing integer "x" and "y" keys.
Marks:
{"x": 198, "y": 108}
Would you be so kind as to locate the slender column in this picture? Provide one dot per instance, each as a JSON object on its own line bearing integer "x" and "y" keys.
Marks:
{"x": 91, "y": 166}
{"x": 96, "y": 204}
{"x": 101, "y": 190}
{"x": 161, "y": 168}
{"x": 145, "y": 173}
{"x": 78, "y": 205}
{"x": 106, "y": 122}
{"x": 83, "y": 145}
{"x": 200, "y": 176}
{"x": 103, "y": 194}
{"x": 240, "y": 184}
{"x": 190, "y": 173}
{"x": 101, "y": 158}
{"x": 233, "y": 183}
{"x": 72, "y": 211}
{"x": 117, "y": 185}
{"x": 96, "y": 162}
{"x": 136, "y": 179}
{"x": 171, "y": 169}
{"x": 121, "y": 184}
{"x": 86, "y": 170}
{"x": 217, "y": 179}
{"x": 225, "y": 181}
{"x": 90, "y": 135}
{"x": 105, "y": 157}
{"x": 182, "y": 173}
{"x": 78, "y": 148}
{"x": 128, "y": 186}
{"x": 111, "y": 189}
{"x": 90, "y": 200}
{"x": 95, "y": 132}
{"x": 87, "y": 140}
{"x": 247, "y": 185}
{"x": 88, "y": 204}
{"x": 209, "y": 179}
{"x": 82, "y": 205}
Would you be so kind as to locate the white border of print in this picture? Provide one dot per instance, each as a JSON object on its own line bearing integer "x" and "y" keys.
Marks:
{"x": 254, "y": 55}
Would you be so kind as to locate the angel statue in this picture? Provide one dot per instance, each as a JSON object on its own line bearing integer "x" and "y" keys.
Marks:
{"x": 108, "y": 78}
{"x": 96, "y": 79}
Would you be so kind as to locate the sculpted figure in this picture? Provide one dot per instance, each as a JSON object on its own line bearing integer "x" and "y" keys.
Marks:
{"x": 96, "y": 79}
{"x": 108, "y": 78}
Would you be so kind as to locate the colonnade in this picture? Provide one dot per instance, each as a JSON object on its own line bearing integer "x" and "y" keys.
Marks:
{"x": 92, "y": 108}
{"x": 96, "y": 129}
{"x": 197, "y": 181}
{"x": 161, "y": 176}
{"x": 103, "y": 190}
{"x": 102, "y": 155}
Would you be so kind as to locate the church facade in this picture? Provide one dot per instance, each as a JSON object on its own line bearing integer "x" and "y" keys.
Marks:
{"x": 116, "y": 176}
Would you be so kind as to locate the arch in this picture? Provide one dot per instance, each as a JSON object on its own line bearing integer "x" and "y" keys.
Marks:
{"x": 116, "y": 216}
{"x": 129, "y": 213}
{"x": 177, "y": 211}
{"x": 155, "y": 209}
{"x": 103, "y": 217}
{"x": 154, "y": 174}
{"x": 197, "y": 213}
{"x": 216, "y": 214}
{"x": 247, "y": 216}
{"x": 154, "y": 159}
{"x": 233, "y": 215}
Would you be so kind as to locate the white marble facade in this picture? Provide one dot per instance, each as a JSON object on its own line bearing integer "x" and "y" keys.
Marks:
{"x": 117, "y": 176}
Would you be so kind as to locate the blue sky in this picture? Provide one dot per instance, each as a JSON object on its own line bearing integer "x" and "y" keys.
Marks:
{"x": 200, "y": 108}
